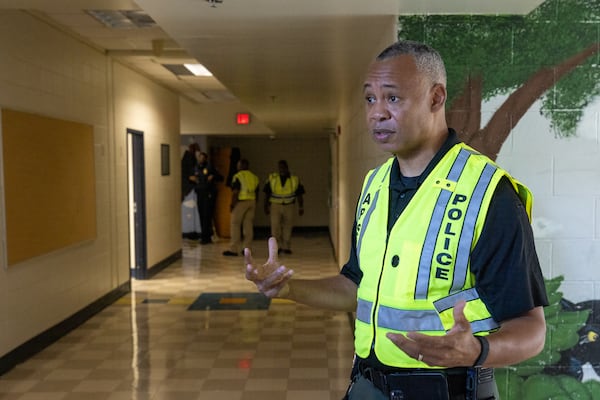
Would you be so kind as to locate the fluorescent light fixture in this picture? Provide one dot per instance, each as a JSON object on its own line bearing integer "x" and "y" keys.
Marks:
{"x": 123, "y": 19}
{"x": 198, "y": 69}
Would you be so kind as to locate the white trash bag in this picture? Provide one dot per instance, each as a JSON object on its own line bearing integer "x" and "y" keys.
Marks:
{"x": 190, "y": 220}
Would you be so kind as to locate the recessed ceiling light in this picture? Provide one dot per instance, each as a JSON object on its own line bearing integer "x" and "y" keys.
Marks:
{"x": 188, "y": 69}
{"x": 198, "y": 69}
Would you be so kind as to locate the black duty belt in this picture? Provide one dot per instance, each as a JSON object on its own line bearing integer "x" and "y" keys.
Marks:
{"x": 408, "y": 384}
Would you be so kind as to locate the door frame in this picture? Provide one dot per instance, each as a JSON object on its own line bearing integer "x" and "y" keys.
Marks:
{"x": 136, "y": 188}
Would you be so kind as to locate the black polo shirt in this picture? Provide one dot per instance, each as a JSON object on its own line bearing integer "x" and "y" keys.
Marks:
{"x": 505, "y": 263}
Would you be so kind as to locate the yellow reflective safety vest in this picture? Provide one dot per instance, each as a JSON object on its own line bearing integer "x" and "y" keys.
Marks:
{"x": 413, "y": 278}
{"x": 248, "y": 182}
{"x": 285, "y": 194}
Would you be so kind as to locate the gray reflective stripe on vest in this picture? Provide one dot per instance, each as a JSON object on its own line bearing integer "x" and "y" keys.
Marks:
{"x": 448, "y": 302}
{"x": 291, "y": 198}
{"x": 468, "y": 231}
{"x": 409, "y": 320}
{"x": 435, "y": 224}
{"x": 421, "y": 320}
{"x": 366, "y": 191}
{"x": 370, "y": 210}
{"x": 363, "y": 311}
{"x": 400, "y": 320}
{"x": 484, "y": 325}
{"x": 364, "y": 225}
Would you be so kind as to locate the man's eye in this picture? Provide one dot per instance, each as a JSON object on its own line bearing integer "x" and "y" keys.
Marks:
{"x": 393, "y": 99}
{"x": 370, "y": 99}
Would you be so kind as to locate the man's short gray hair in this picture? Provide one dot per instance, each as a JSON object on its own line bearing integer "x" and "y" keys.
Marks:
{"x": 427, "y": 59}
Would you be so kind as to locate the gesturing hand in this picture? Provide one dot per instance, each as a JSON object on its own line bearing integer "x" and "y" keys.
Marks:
{"x": 270, "y": 278}
{"x": 457, "y": 348}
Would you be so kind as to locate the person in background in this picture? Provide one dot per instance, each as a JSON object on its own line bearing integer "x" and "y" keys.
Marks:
{"x": 190, "y": 222}
{"x": 282, "y": 192}
{"x": 188, "y": 169}
{"x": 206, "y": 190}
{"x": 244, "y": 186}
{"x": 443, "y": 273}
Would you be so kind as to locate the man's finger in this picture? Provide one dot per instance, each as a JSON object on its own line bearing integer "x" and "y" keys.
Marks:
{"x": 273, "y": 249}
{"x": 459, "y": 311}
{"x": 403, "y": 342}
{"x": 460, "y": 320}
{"x": 247, "y": 256}
{"x": 250, "y": 272}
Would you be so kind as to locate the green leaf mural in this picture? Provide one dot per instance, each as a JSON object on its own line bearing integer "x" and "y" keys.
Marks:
{"x": 551, "y": 58}
{"x": 549, "y": 55}
{"x": 531, "y": 379}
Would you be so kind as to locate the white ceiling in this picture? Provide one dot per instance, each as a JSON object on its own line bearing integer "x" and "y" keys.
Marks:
{"x": 287, "y": 62}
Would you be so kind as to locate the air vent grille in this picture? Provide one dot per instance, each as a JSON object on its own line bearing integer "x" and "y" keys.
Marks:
{"x": 123, "y": 19}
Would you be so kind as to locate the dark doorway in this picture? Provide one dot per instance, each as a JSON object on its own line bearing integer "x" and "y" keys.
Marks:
{"x": 137, "y": 204}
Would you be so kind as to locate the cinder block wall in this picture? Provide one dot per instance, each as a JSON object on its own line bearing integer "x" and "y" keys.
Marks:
{"x": 525, "y": 90}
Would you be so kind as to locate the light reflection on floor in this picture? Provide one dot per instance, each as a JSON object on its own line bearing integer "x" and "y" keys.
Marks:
{"x": 149, "y": 346}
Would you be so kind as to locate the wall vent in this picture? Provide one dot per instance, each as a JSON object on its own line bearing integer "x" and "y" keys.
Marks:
{"x": 123, "y": 19}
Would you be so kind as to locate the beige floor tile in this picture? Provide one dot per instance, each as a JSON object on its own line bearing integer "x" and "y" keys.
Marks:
{"x": 149, "y": 346}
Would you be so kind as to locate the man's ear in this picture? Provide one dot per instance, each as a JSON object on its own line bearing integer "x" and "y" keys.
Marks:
{"x": 438, "y": 97}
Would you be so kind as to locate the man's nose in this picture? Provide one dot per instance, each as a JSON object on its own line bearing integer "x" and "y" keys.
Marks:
{"x": 379, "y": 112}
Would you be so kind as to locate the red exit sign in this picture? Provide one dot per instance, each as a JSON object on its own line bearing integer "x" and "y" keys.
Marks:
{"x": 242, "y": 118}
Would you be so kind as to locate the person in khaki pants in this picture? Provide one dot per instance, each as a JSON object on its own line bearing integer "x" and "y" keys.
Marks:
{"x": 244, "y": 185}
{"x": 283, "y": 191}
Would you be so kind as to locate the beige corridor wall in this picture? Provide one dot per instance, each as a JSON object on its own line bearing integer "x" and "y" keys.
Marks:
{"x": 145, "y": 106}
{"x": 45, "y": 71}
{"x": 356, "y": 151}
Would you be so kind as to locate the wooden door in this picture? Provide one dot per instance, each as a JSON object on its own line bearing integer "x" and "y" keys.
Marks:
{"x": 220, "y": 158}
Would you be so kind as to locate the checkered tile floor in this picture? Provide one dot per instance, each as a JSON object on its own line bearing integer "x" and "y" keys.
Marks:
{"x": 149, "y": 346}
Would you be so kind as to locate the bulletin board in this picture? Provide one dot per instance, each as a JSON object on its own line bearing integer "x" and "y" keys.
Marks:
{"x": 49, "y": 184}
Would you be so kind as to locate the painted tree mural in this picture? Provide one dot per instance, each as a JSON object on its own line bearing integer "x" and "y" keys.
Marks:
{"x": 552, "y": 55}
{"x": 549, "y": 58}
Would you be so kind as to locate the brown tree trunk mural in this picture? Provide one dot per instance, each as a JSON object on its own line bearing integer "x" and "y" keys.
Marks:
{"x": 465, "y": 112}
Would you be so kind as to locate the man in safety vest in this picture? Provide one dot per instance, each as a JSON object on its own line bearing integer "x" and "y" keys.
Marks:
{"x": 282, "y": 191}
{"x": 244, "y": 186}
{"x": 443, "y": 274}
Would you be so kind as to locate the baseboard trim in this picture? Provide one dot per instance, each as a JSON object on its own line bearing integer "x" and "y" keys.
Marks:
{"x": 156, "y": 268}
{"x": 51, "y": 335}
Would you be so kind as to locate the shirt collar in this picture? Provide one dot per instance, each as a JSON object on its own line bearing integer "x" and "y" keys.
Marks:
{"x": 397, "y": 181}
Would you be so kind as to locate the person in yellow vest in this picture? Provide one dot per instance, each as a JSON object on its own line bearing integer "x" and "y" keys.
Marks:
{"x": 283, "y": 192}
{"x": 443, "y": 273}
{"x": 244, "y": 186}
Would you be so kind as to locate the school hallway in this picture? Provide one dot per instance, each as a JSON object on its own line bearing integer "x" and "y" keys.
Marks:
{"x": 199, "y": 330}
